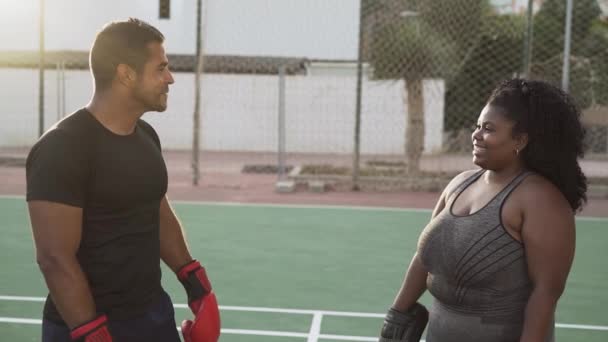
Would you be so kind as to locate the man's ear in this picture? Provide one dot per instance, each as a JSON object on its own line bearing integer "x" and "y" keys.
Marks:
{"x": 126, "y": 75}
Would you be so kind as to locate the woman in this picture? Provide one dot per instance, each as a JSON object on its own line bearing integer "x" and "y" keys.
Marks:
{"x": 498, "y": 249}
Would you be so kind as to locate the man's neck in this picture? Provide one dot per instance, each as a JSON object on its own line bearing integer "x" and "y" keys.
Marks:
{"x": 119, "y": 115}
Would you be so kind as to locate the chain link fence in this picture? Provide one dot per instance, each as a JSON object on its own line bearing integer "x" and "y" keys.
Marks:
{"x": 426, "y": 69}
{"x": 587, "y": 79}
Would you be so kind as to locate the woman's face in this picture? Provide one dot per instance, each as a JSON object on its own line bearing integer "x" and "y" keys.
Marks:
{"x": 494, "y": 146}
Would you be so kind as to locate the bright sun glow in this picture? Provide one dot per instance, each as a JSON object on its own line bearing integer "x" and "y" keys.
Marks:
{"x": 19, "y": 24}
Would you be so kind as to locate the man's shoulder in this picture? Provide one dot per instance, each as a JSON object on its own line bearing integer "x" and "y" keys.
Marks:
{"x": 67, "y": 136}
{"x": 146, "y": 127}
{"x": 75, "y": 126}
{"x": 149, "y": 130}
{"x": 80, "y": 122}
{"x": 143, "y": 123}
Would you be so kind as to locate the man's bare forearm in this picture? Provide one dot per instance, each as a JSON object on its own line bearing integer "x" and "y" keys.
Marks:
{"x": 69, "y": 290}
{"x": 173, "y": 249}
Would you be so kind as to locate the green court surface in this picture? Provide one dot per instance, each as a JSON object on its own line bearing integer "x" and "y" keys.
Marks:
{"x": 298, "y": 273}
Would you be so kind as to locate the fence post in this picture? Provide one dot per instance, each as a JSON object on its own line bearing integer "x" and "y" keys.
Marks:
{"x": 357, "y": 135}
{"x": 281, "y": 135}
{"x": 567, "y": 41}
{"x": 197, "y": 96}
{"x": 41, "y": 73}
{"x": 528, "y": 39}
{"x": 58, "y": 74}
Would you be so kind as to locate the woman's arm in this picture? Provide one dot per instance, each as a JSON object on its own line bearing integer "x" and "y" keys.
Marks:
{"x": 548, "y": 235}
{"x": 413, "y": 285}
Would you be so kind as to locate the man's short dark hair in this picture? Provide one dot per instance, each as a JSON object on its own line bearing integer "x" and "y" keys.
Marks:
{"x": 121, "y": 42}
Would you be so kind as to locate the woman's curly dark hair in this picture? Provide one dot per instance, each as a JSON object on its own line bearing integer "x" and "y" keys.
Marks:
{"x": 555, "y": 133}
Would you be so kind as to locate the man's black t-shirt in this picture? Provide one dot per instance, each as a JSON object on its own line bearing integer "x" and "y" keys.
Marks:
{"x": 118, "y": 181}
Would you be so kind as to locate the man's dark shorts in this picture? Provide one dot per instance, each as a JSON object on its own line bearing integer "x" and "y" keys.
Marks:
{"x": 158, "y": 324}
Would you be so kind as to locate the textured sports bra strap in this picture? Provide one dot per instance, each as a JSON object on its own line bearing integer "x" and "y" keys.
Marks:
{"x": 465, "y": 184}
{"x": 512, "y": 186}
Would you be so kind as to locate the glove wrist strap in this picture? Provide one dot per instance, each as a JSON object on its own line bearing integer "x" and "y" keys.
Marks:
{"x": 89, "y": 328}
{"x": 194, "y": 279}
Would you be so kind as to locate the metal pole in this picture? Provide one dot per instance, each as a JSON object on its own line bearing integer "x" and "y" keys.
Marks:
{"x": 63, "y": 111}
{"x": 357, "y": 135}
{"x": 41, "y": 73}
{"x": 528, "y": 41}
{"x": 567, "y": 41}
{"x": 197, "y": 86}
{"x": 281, "y": 161}
{"x": 58, "y": 71}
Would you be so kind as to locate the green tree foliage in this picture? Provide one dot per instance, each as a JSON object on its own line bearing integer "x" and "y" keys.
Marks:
{"x": 412, "y": 40}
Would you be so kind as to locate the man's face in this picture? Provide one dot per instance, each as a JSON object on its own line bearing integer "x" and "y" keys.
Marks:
{"x": 153, "y": 82}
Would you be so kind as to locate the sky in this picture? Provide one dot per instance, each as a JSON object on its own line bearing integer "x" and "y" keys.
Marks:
{"x": 324, "y": 29}
{"x": 316, "y": 29}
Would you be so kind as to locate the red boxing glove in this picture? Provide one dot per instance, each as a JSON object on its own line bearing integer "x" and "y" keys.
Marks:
{"x": 206, "y": 324}
{"x": 92, "y": 331}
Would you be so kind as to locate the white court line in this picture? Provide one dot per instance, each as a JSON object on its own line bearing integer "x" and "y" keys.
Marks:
{"x": 224, "y": 331}
{"x": 581, "y": 326}
{"x": 237, "y": 308}
{"x": 275, "y": 205}
{"x": 349, "y": 338}
{"x": 236, "y": 332}
{"x": 292, "y": 311}
{"x": 20, "y": 320}
{"x": 23, "y": 299}
{"x": 315, "y": 327}
{"x": 264, "y": 333}
{"x": 303, "y": 206}
{"x": 306, "y": 312}
{"x": 313, "y": 206}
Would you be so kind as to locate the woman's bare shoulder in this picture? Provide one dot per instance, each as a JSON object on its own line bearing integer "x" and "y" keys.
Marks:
{"x": 538, "y": 192}
{"x": 457, "y": 180}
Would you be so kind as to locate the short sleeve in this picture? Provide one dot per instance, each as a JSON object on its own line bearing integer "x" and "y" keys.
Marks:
{"x": 57, "y": 170}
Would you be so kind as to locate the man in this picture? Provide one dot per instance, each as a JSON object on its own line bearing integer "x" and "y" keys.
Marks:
{"x": 101, "y": 221}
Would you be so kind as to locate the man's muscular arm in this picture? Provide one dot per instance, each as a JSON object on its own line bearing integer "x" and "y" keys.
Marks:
{"x": 57, "y": 231}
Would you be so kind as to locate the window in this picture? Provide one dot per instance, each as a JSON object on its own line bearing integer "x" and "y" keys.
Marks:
{"x": 164, "y": 9}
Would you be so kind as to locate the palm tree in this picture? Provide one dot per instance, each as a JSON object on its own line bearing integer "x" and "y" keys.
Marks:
{"x": 413, "y": 40}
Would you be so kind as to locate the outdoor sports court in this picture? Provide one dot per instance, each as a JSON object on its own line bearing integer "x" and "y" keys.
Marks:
{"x": 332, "y": 85}
{"x": 297, "y": 272}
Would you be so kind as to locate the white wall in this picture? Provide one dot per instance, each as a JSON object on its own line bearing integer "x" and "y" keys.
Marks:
{"x": 240, "y": 112}
{"x": 322, "y": 29}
